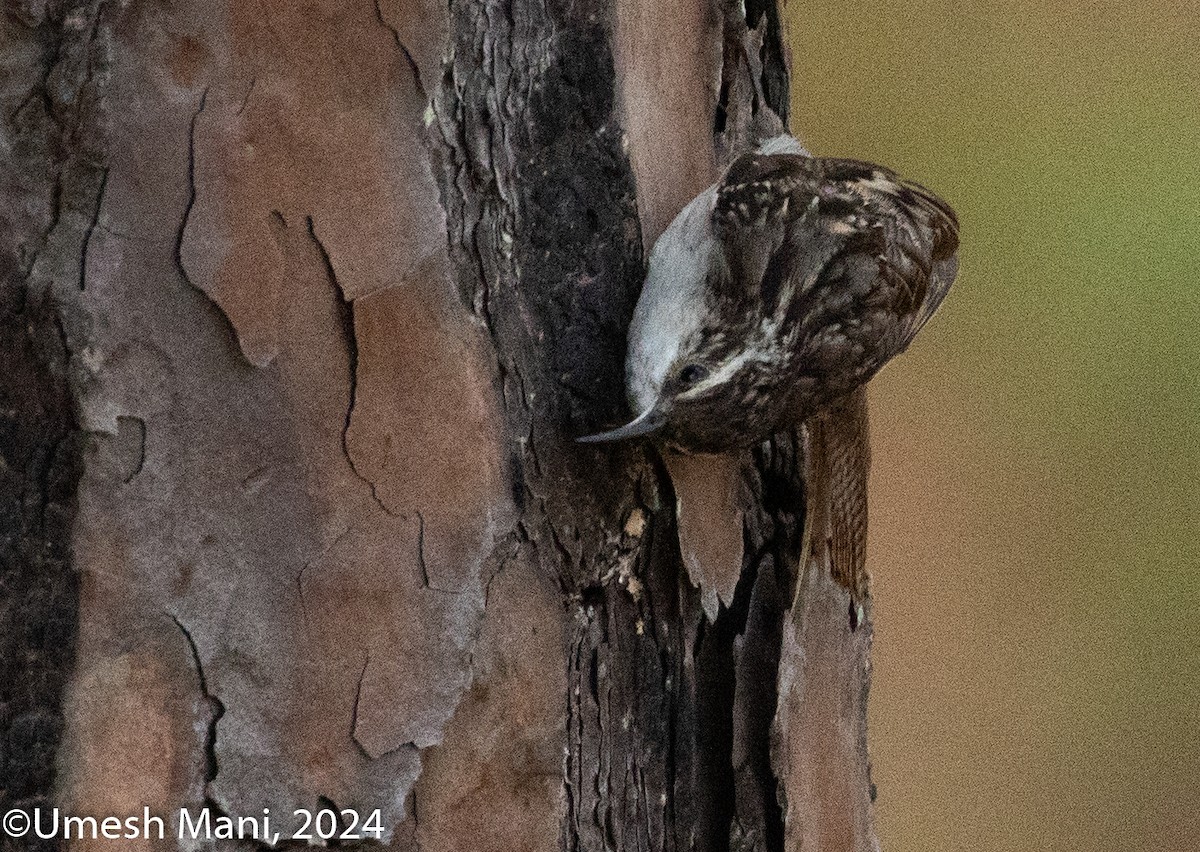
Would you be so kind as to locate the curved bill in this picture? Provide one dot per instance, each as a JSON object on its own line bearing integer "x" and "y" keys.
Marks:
{"x": 645, "y": 423}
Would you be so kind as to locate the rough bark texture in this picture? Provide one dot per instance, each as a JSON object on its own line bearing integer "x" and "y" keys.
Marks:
{"x": 49, "y": 186}
{"x": 304, "y": 304}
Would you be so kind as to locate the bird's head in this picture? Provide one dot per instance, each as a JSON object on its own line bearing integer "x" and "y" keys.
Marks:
{"x": 702, "y": 368}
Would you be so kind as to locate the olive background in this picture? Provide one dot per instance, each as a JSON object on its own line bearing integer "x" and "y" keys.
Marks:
{"x": 1035, "y": 517}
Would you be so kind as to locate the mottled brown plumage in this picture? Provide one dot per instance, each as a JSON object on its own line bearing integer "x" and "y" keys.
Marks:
{"x": 781, "y": 289}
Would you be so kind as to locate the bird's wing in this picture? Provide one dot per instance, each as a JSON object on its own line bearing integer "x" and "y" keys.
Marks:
{"x": 759, "y": 200}
{"x": 836, "y": 243}
{"x": 910, "y": 235}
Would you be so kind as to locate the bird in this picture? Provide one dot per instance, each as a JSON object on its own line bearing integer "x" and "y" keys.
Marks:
{"x": 777, "y": 292}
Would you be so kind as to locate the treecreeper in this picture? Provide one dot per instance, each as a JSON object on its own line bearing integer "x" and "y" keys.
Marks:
{"x": 771, "y": 300}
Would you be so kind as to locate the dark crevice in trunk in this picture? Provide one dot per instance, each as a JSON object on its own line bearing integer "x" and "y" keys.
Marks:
{"x": 774, "y": 550}
{"x": 216, "y": 707}
{"x": 775, "y": 79}
{"x": 181, "y": 231}
{"x": 737, "y": 664}
{"x": 87, "y": 235}
{"x": 40, "y": 466}
{"x": 715, "y": 683}
{"x": 345, "y": 315}
{"x": 48, "y": 194}
{"x": 362, "y": 674}
{"x": 216, "y": 710}
{"x": 408, "y": 57}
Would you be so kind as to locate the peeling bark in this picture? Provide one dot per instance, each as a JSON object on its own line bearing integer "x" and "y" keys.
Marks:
{"x": 313, "y": 299}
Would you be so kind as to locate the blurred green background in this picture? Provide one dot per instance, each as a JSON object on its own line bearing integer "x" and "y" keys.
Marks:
{"x": 1035, "y": 537}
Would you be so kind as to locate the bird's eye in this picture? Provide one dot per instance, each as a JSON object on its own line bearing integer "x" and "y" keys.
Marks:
{"x": 692, "y": 373}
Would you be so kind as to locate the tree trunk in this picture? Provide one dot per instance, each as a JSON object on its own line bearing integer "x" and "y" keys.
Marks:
{"x": 304, "y": 304}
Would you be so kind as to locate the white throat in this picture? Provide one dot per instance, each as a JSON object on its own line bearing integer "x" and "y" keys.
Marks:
{"x": 671, "y": 306}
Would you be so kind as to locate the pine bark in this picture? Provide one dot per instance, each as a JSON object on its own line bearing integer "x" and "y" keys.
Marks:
{"x": 303, "y": 306}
